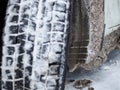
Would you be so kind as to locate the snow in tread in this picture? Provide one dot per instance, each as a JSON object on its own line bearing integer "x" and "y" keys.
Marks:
{"x": 34, "y": 44}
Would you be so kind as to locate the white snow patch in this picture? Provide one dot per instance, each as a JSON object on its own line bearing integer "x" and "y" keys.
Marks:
{"x": 112, "y": 15}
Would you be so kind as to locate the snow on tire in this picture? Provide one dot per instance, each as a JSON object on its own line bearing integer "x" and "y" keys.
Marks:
{"x": 50, "y": 43}
{"x": 16, "y": 69}
{"x": 35, "y": 41}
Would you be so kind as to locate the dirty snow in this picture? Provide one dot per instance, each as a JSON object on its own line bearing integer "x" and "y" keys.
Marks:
{"x": 106, "y": 77}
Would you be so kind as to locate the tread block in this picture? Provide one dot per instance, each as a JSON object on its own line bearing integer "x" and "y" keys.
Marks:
{"x": 24, "y": 21}
{"x": 28, "y": 70}
{"x": 12, "y": 39}
{"x": 29, "y": 47}
{"x": 54, "y": 70}
{"x": 31, "y": 37}
{"x": 21, "y": 50}
{"x": 21, "y": 36}
{"x": 22, "y": 28}
{"x": 26, "y": 9}
{"x": 21, "y": 42}
{"x": 32, "y": 26}
{"x": 29, "y": 59}
{"x": 27, "y": 83}
{"x": 48, "y": 16}
{"x": 19, "y": 62}
{"x": 34, "y": 9}
{"x": 24, "y": 16}
{"x": 56, "y": 37}
{"x": 9, "y": 61}
{"x": 42, "y": 78}
{"x": 58, "y": 27}
{"x": 49, "y": 5}
{"x": 61, "y": 7}
{"x": 29, "y": 52}
{"x": 45, "y": 49}
{"x": 55, "y": 50}
{"x": 47, "y": 27}
{"x": 60, "y": 17}
{"x": 51, "y": 82}
{"x": 14, "y": 19}
{"x": 15, "y": 8}
{"x": 46, "y": 38}
{"x": 13, "y": 29}
{"x": 18, "y": 74}
{"x": 19, "y": 65}
{"x": 43, "y": 11}
{"x": 7, "y": 85}
{"x": 19, "y": 85}
{"x": 9, "y": 74}
{"x": 10, "y": 50}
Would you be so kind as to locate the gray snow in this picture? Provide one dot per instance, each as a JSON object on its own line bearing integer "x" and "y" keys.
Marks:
{"x": 106, "y": 77}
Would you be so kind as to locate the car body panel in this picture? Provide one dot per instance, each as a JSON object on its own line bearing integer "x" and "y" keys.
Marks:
{"x": 112, "y": 15}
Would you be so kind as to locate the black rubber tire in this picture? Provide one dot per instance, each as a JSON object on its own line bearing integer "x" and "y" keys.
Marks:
{"x": 35, "y": 42}
{"x": 3, "y": 5}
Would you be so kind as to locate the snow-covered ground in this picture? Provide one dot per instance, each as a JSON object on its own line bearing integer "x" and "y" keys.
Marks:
{"x": 106, "y": 77}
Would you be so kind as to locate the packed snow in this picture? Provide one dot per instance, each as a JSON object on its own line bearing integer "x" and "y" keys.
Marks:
{"x": 106, "y": 77}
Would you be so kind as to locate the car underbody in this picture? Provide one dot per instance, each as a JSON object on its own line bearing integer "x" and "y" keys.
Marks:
{"x": 89, "y": 42}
